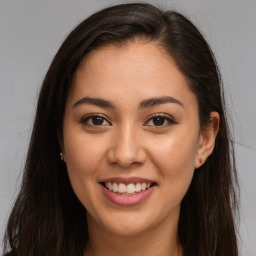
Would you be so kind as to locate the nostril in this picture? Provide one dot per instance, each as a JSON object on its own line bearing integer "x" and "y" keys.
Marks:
{"x": 126, "y": 155}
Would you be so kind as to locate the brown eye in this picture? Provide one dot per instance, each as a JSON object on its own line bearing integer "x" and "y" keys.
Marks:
{"x": 95, "y": 120}
{"x": 158, "y": 121}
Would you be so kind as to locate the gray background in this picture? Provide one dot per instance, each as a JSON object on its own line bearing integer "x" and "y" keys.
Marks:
{"x": 32, "y": 31}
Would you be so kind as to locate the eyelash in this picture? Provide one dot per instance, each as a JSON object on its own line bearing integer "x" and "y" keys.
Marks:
{"x": 166, "y": 117}
{"x": 85, "y": 120}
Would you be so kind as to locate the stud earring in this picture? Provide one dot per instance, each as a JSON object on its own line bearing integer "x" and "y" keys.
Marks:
{"x": 61, "y": 156}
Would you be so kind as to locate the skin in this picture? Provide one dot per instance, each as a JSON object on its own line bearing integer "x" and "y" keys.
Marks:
{"x": 128, "y": 143}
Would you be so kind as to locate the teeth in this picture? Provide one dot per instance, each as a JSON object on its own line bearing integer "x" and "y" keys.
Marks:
{"x": 121, "y": 188}
{"x": 129, "y": 189}
{"x": 109, "y": 186}
{"x": 143, "y": 186}
{"x": 115, "y": 187}
{"x": 138, "y": 187}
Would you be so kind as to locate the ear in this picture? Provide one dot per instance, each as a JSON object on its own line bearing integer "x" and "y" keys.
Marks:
{"x": 206, "y": 140}
{"x": 60, "y": 139}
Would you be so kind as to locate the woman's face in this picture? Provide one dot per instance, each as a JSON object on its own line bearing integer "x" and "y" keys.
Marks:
{"x": 131, "y": 138}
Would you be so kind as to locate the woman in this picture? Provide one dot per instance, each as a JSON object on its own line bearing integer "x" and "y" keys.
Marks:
{"x": 130, "y": 152}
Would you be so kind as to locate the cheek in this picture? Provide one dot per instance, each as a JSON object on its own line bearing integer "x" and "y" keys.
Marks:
{"x": 83, "y": 157}
{"x": 174, "y": 157}
{"x": 82, "y": 153}
{"x": 175, "y": 152}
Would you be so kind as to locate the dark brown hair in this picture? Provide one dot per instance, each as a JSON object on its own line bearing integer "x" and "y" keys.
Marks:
{"x": 47, "y": 218}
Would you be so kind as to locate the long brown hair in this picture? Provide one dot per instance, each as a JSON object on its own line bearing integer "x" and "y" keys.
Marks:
{"x": 47, "y": 218}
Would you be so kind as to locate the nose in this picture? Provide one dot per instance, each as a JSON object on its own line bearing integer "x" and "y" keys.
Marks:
{"x": 126, "y": 148}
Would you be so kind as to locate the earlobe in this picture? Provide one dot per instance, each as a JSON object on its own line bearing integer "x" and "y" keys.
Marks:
{"x": 206, "y": 141}
{"x": 60, "y": 139}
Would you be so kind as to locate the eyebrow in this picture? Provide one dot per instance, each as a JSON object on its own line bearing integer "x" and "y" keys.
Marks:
{"x": 143, "y": 104}
{"x": 158, "y": 101}
{"x": 94, "y": 101}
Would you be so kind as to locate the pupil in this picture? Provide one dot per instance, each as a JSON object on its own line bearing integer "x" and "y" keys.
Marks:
{"x": 158, "y": 121}
{"x": 97, "y": 120}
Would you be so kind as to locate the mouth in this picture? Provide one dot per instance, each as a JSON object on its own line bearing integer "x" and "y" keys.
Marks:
{"x": 127, "y": 189}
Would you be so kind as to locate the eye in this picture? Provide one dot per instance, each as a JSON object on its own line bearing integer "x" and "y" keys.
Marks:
{"x": 160, "y": 120}
{"x": 95, "y": 120}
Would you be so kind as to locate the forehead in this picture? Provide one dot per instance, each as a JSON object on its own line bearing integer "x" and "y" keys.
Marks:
{"x": 134, "y": 70}
{"x": 134, "y": 58}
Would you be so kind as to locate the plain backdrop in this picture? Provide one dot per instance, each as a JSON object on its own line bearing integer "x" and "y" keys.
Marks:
{"x": 30, "y": 34}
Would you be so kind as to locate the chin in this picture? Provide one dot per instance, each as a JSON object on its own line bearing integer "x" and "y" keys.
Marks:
{"x": 128, "y": 224}
{"x": 128, "y": 230}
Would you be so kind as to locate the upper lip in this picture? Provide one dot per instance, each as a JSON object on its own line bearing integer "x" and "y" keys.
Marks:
{"x": 127, "y": 181}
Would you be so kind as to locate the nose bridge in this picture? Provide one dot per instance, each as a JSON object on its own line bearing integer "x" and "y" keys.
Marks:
{"x": 127, "y": 147}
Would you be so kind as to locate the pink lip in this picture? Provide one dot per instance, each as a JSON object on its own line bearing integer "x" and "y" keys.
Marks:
{"x": 127, "y": 200}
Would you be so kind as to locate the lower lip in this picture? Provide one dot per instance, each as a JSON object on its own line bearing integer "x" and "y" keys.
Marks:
{"x": 127, "y": 200}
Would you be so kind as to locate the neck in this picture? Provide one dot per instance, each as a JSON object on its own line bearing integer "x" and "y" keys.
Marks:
{"x": 157, "y": 241}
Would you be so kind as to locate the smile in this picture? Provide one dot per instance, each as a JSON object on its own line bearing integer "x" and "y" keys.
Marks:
{"x": 127, "y": 192}
{"x": 129, "y": 189}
